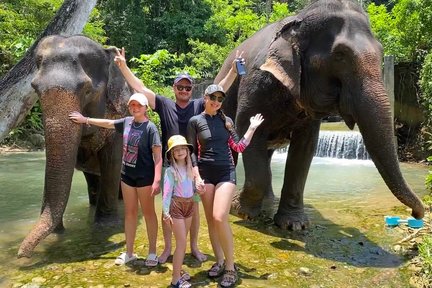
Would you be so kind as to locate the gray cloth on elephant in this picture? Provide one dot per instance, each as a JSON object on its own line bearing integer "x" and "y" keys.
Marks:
{"x": 137, "y": 153}
{"x": 173, "y": 118}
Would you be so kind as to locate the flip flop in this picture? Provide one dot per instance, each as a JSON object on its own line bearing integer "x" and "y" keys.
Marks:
{"x": 152, "y": 260}
{"x": 123, "y": 259}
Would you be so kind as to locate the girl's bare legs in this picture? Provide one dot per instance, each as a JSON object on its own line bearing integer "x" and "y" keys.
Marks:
{"x": 130, "y": 200}
{"x": 148, "y": 209}
{"x": 194, "y": 235}
{"x": 221, "y": 206}
{"x": 180, "y": 229}
{"x": 167, "y": 234}
{"x": 208, "y": 199}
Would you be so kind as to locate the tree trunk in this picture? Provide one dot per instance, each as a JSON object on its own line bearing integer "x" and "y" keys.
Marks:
{"x": 17, "y": 96}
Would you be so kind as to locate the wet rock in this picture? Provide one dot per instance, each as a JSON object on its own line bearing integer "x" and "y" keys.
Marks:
{"x": 68, "y": 270}
{"x": 272, "y": 260}
{"x": 38, "y": 280}
{"x": 287, "y": 272}
{"x": 397, "y": 248}
{"x": 305, "y": 271}
{"x": 414, "y": 268}
{"x": 31, "y": 285}
{"x": 272, "y": 276}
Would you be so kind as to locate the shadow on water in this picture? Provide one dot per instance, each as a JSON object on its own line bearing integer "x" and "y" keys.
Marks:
{"x": 21, "y": 179}
{"x": 327, "y": 240}
{"x": 82, "y": 240}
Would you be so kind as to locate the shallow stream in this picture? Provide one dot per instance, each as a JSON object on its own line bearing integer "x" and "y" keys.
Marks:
{"x": 347, "y": 245}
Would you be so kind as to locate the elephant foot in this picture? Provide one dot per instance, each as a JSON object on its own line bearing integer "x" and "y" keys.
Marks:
{"x": 294, "y": 221}
{"x": 107, "y": 220}
{"x": 245, "y": 211}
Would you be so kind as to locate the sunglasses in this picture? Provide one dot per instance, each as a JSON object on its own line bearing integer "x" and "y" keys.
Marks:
{"x": 186, "y": 88}
{"x": 220, "y": 99}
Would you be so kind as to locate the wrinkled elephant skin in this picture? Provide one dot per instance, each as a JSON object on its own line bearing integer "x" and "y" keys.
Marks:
{"x": 76, "y": 74}
{"x": 323, "y": 61}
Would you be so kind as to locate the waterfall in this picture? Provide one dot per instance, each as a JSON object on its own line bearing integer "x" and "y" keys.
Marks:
{"x": 341, "y": 144}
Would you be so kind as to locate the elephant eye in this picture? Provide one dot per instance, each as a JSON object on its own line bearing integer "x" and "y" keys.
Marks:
{"x": 38, "y": 60}
{"x": 339, "y": 55}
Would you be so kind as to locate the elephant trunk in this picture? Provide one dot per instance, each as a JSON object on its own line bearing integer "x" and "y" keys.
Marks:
{"x": 373, "y": 107}
{"x": 62, "y": 140}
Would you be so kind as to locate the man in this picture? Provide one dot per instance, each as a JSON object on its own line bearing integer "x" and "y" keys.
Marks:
{"x": 174, "y": 116}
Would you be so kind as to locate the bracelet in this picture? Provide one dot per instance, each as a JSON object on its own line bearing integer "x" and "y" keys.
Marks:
{"x": 87, "y": 122}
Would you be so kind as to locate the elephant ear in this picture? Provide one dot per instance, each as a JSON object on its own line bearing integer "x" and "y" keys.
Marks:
{"x": 283, "y": 57}
{"x": 118, "y": 91}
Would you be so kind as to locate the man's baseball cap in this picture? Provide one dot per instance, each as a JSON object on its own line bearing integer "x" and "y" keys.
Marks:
{"x": 213, "y": 88}
{"x": 140, "y": 98}
{"x": 183, "y": 75}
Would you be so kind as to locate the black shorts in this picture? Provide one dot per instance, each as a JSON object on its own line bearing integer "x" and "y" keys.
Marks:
{"x": 140, "y": 181}
{"x": 214, "y": 174}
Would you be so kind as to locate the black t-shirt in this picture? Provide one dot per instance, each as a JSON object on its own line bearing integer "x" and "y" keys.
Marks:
{"x": 173, "y": 118}
{"x": 138, "y": 153}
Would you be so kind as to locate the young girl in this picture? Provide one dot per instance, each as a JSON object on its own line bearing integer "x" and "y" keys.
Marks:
{"x": 178, "y": 203}
{"x": 141, "y": 171}
{"x": 212, "y": 135}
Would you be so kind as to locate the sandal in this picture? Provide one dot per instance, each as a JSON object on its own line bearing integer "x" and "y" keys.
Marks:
{"x": 152, "y": 260}
{"x": 185, "y": 275}
{"x": 181, "y": 283}
{"x": 123, "y": 259}
{"x": 229, "y": 278}
{"x": 216, "y": 270}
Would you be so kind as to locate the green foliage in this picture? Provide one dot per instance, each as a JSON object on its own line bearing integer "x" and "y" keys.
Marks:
{"x": 425, "y": 83}
{"x": 206, "y": 59}
{"x": 425, "y": 253}
{"x": 406, "y": 30}
{"x": 22, "y": 21}
{"x": 158, "y": 69}
{"x": 230, "y": 23}
{"x": 146, "y": 26}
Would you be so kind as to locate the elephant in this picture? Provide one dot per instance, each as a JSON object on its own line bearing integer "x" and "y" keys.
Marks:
{"x": 77, "y": 74}
{"x": 323, "y": 61}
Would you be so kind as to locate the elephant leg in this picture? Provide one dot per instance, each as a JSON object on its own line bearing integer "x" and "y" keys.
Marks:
{"x": 268, "y": 201}
{"x": 257, "y": 180}
{"x": 290, "y": 214}
{"x": 93, "y": 187}
{"x": 110, "y": 165}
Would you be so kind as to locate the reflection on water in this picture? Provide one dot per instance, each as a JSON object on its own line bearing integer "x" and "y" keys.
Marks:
{"x": 346, "y": 182}
{"x": 340, "y": 180}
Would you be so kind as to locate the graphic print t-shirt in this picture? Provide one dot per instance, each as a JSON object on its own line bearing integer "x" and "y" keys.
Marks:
{"x": 137, "y": 153}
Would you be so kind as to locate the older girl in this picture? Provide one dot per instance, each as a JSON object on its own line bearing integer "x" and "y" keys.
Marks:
{"x": 141, "y": 172}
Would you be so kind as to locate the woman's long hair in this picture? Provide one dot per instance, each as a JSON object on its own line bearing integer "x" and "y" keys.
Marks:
{"x": 228, "y": 125}
{"x": 174, "y": 166}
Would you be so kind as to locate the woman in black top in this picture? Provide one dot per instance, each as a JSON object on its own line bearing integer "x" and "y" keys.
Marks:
{"x": 212, "y": 135}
